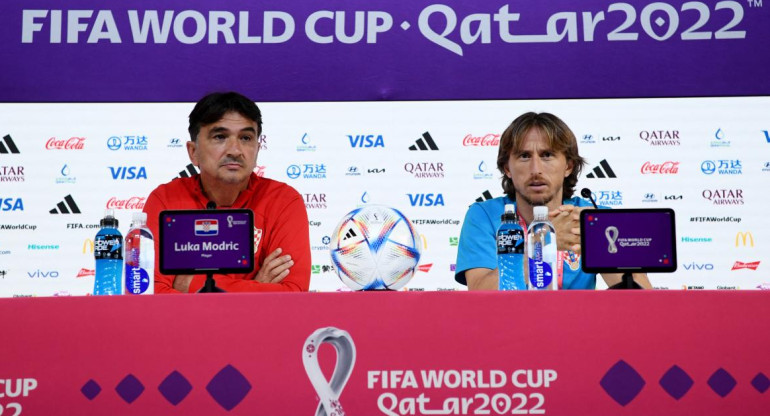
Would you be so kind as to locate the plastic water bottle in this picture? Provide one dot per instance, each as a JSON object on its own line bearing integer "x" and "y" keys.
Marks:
{"x": 140, "y": 257}
{"x": 541, "y": 250}
{"x": 108, "y": 251}
{"x": 510, "y": 251}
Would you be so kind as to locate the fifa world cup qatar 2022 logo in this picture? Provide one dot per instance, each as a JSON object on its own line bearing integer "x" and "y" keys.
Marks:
{"x": 329, "y": 391}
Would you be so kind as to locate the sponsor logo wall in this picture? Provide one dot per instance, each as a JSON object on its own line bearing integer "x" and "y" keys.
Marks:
{"x": 707, "y": 158}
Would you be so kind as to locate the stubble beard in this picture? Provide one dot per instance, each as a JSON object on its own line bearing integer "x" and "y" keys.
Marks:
{"x": 545, "y": 200}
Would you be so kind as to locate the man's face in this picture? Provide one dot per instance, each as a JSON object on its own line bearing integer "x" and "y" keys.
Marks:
{"x": 226, "y": 151}
{"x": 537, "y": 171}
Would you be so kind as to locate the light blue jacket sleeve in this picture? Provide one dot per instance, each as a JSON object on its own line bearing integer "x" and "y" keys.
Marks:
{"x": 477, "y": 242}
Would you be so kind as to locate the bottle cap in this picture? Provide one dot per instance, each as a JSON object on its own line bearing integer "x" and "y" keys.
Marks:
{"x": 541, "y": 212}
{"x": 509, "y": 214}
{"x": 109, "y": 219}
{"x": 139, "y": 218}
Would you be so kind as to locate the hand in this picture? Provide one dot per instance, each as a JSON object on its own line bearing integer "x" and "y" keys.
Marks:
{"x": 275, "y": 267}
{"x": 182, "y": 282}
{"x": 566, "y": 222}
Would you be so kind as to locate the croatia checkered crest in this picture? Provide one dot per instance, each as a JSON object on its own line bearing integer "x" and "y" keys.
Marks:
{"x": 375, "y": 247}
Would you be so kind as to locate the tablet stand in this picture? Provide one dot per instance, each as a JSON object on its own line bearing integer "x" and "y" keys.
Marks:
{"x": 210, "y": 286}
{"x": 627, "y": 283}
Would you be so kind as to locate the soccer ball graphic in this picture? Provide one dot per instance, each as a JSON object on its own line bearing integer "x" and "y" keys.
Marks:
{"x": 375, "y": 247}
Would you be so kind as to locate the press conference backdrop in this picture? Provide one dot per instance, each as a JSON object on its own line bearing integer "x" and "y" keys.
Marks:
{"x": 94, "y": 100}
{"x": 707, "y": 158}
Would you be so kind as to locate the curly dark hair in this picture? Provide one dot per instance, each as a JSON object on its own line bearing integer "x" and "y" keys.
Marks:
{"x": 560, "y": 138}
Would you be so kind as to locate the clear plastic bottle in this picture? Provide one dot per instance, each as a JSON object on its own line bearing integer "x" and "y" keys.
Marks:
{"x": 108, "y": 252}
{"x": 139, "y": 257}
{"x": 541, "y": 250}
{"x": 510, "y": 251}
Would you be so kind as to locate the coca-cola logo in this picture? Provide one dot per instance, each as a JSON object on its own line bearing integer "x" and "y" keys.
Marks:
{"x": 486, "y": 140}
{"x": 135, "y": 202}
{"x": 73, "y": 143}
{"x": 260, "y": 171}
{"x": 665, "y": 168}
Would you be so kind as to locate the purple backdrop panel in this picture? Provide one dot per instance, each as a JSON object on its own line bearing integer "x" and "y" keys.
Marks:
{"x": 173, "y": 50}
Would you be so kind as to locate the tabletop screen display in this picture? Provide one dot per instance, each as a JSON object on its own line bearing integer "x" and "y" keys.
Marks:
{"x": 628, "y": 240}
{"x": 199, "y": 241}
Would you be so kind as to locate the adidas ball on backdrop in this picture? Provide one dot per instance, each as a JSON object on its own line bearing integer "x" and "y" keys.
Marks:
{"x": 375, "y": 247}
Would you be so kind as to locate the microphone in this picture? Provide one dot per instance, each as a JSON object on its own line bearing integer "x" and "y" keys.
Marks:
{"x": 586, "y": 193}
{"x": 213, "y": 205}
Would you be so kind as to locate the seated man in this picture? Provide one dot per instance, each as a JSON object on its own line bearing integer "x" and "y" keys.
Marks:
{"x": 539, "y": 160}
{"x": 224, "y": 132}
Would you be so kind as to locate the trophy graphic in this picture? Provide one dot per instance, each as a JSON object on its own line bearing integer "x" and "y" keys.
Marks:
{"x": 612, "y": 236}
{"x": 329, "y": 392}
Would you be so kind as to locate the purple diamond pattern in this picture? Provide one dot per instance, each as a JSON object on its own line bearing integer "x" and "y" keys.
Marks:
{"x": 761, "y": 383}
{"x": 129, "y": 389}
{"x": 721, "y": 382}
{"x": 676, "y": 382}
{"x": 228, "y": 387}
{"x": 175, "y": 388}
{"x": 91, "y": 389}
{"x": 622, "y": 383}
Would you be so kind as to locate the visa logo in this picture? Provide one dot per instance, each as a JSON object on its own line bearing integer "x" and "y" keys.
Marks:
{"x": 362, "y": 140}
{"x": 128, "y": 172}
{"x": 699, "y": 266}
{"x": 40, "y": 273}
{"x": 11, "y": 204}
{"x": 426, "y": 200}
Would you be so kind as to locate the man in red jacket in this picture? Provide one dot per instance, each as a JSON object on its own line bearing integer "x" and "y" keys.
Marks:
{"x": 224, "y": 132}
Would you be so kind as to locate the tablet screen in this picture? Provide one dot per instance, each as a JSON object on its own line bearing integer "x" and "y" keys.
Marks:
{"x": 628, "y": 240}
{"x": 197, "y": 241}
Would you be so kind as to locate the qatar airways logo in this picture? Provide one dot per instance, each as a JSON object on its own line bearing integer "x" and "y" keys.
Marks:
{"x": 665, "y": 168}
{"x": 73, "y": 143}
{"x": 425, "y": 169}
{"x": 489, "y": 139}
{"x": 660, "y": 137}
{"x": 135, "y": 202}
{"x": 315, "y": 201}
{"x": 724, "y": 196}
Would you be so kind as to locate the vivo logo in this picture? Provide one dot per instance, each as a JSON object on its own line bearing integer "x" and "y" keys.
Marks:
{"x": 699, "y": 266}
{"x": 426, "y": 200}
{"x": 128, "y": 172}
{"x": 363, "y": 140}
{"x": 11, "y": 204}
{"x": 40, "y": 273}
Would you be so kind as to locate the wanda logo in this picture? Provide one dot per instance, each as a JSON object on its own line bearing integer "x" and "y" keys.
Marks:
{"x": 663, "y": 168}
{"x": 73, "y": 143}
{"x": 486, "y": 140}
{"x": 134, "y": 202}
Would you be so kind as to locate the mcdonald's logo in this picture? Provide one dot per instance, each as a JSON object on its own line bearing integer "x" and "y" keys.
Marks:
{"x": 424, "y": 241}
{"x": 744, "y": 238}
{"x": 88, "y": 246}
